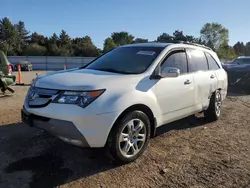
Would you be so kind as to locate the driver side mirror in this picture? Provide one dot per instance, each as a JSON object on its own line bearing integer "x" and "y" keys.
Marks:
{"x": 170, "y": 72}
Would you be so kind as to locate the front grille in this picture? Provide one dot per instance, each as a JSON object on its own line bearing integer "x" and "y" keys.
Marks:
{"x": 40, "y": 118}
{"x": 40, "y": 97}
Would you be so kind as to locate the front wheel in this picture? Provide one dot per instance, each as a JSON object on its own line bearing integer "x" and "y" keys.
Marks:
{"x": 214, "y": 110}
{"x": 130, "y": 137}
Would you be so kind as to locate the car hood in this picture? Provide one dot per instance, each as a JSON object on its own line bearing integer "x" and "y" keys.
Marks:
{"x": 82, "y": 79}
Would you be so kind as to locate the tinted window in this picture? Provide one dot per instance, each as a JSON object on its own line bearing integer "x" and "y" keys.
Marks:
{"x": 177, "y": 60}
{"x": 127, "y": 60}
{"x": 197, "y": 60}
{"x": 212, "y": 63}
{"x": 242, "y": 61}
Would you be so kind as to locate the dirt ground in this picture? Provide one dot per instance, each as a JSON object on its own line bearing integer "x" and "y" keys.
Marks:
{"x": 187, "y": 153}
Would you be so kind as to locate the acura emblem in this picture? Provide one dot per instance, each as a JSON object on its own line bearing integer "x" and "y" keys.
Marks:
{"x": 33, "y": 95}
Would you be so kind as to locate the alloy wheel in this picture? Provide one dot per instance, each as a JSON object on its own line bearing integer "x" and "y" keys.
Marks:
{"x": 217, "y": 103}
{"x": 132, "y": 138}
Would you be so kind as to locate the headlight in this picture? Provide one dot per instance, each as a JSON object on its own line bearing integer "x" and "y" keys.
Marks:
{"x": 80, "y": 98}
{"x": 33, "y": 82}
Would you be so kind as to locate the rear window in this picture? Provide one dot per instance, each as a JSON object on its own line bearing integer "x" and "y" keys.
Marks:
{"x": 130, "y": 60}
{"x": 213, "y": 65}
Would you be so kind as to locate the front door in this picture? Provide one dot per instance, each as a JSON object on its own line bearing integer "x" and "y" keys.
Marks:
{"x": 176, "y": 95}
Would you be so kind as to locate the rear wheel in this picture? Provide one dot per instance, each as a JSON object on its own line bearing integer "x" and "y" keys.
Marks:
{"x": 130, "y": 137}
{"x": 214, "y": 110}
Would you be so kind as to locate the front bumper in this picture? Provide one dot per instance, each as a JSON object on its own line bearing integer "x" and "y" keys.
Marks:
{"x": 71, "y": 123}
{"x": 65, "y": 130}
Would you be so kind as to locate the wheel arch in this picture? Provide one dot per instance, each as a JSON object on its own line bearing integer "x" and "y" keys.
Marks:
{"x": 142, "y": 107}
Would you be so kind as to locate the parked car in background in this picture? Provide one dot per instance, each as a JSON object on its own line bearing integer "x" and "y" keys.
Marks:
{"x": 120, "y": 98}
{"x": 25, "y": 66}
{"x": 238, "y": 68}
{"x": 12, "y": 66}
{"x": 238, "y": 63}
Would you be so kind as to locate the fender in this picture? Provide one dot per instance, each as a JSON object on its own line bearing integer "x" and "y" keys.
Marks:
{"x": 120, "y": 102}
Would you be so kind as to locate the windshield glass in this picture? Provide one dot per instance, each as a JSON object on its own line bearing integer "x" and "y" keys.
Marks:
{"x": 126, "y": 60}
{"x": 241, "y": 61}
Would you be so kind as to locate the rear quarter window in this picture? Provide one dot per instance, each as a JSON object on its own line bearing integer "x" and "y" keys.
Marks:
{"x": 197, "y": 60}
{"x": 213, "y": 65}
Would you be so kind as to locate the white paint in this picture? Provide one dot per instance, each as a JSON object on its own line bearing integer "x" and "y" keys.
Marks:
{"x": 168, "y": 98}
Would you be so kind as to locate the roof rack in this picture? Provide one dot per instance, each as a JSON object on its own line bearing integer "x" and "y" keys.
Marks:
{"x": 191, "y": 43}
{"x": 183, "y": 42}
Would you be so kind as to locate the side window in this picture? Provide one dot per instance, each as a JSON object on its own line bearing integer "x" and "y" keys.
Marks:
{"x": 197, "y": 60}
{"x": 177, "y": 60}
{"x": 212, "y": 63}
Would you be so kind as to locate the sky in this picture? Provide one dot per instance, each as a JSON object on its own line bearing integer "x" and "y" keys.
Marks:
{"x": 141, "y": 18}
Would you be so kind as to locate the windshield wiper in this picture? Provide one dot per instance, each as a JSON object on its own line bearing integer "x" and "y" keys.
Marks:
{"x": 114, "y": 70}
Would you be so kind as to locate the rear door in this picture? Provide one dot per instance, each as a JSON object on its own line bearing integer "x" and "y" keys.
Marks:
{"x": 221, "y": 75}
{"x": 204, "y": 79}
{"x": 214, "y": 70}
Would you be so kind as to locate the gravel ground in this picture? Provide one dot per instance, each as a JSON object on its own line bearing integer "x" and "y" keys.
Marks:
{"x": 187, "y": 153}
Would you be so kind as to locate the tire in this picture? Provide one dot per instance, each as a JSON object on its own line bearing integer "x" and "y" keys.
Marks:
{"x": 214, "y": 110}
{"x": 131, "y": 139}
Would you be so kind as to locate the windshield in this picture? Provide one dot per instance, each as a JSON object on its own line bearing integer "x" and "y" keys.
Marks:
{"x": 241, "y": 61}
{"x": 126, "y": 60}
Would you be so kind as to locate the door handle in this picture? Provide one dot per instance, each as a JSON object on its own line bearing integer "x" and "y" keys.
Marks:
{"x": 212, "y": 76}
{"x": 187, "y": 82}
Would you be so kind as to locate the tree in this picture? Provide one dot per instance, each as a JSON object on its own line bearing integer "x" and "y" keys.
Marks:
{"x": 8, "y": 37}
{"x": 6, "y": 48}
{"x": 64, "y": 46}
{"x": 64, "y": 39}
{"x": 52, "y": 45}
{"x": 164, "y": 37}
{"x": 85, "y": 47}
{"x": 226, "y": 52}
{"x": 240, "y": 48}
{"x": 108, "y": 44}
{"x": 191, "y": 38}
{"x": 214, "y": 34}
{"x": 34, "y": 50}
{"x": 23, "y": 33}
{"x": 15, "y": 40}
{"x": 237, "y": 48}
{"x": 121, "y": 38}
{"x": 248, "y": 49}
{"x": 54, "y": 39}
{"x": 37, "y": 38}
{"x": 22, "y": 37}
{"x": 178, "y": 36}
{"x": 140, "y": 40}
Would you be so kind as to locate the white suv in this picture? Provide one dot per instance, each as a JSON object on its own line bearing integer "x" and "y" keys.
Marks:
{"x": 120, "y": 98}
